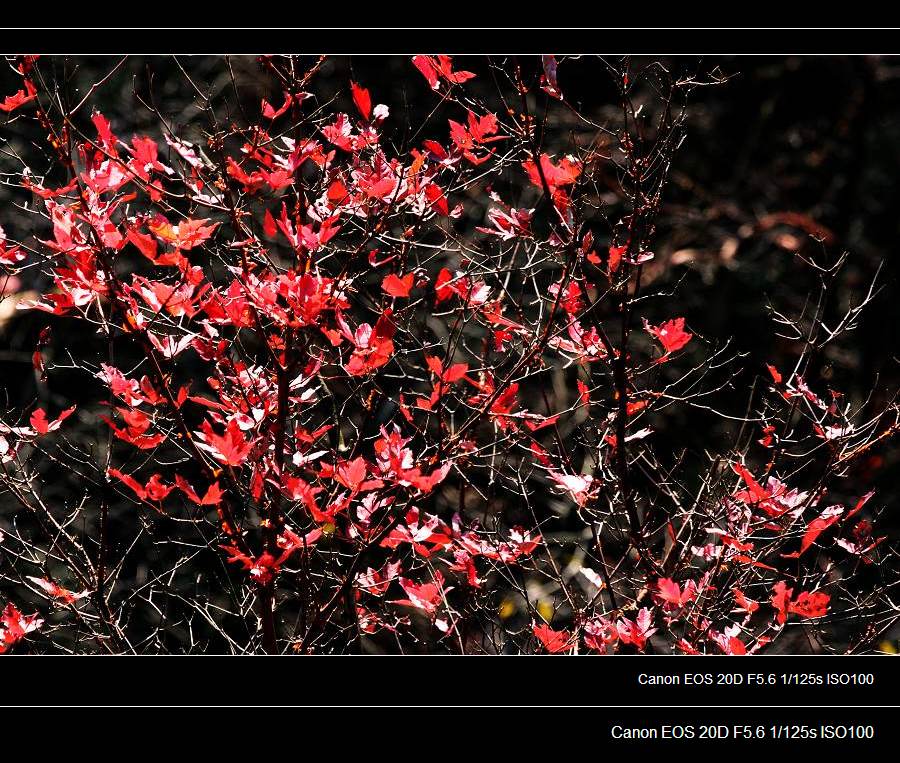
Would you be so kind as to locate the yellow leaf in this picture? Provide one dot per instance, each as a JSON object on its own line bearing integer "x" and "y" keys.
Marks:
{"x": 545, "y": 610}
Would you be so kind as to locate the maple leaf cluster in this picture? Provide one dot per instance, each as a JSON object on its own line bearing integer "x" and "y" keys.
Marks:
{"x": 338, "y": 367}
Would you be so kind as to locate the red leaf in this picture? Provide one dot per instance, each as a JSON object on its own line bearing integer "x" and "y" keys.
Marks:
{"x": 757, "y": 492}
{"x": 819, "y": 525}
{"x": 638, "y": 631}
{"x": 56, "y": 591}
{"x": 449, "y": 375}
{"x": 671, "y": 334}
{"x": 156, "y": 489}
{"x": 859, "y": 504}
{"x": 130, "y": 481}
{"x": 362, "y": 99}
{"x": 39, "y": 421}
{"x": 441, "y": 290}
{"x": 145, "y": 243}
{"x": 230, "y": 449}
{"x": 337, "y": 192}
{"x": 564, "y": 173}
{"x": 269, "y": 226}
{"x": 437, "y": 199}
{"x": 744, "y": 559}
{"x": 670, "y": 592}
{"x": 10, "y": 256}
{"x": 398, "y": 286}
{"x": 20, "y": 98}
{"x": 745, "y": 605}
{"x": 615, "y": 257}
{"x": 41, "y": 425}
{"x": 584, "y": 393}
{"x": 14, "y": 626}
{"x": 810, "y": 604}
{"x": 553, "y": 641}
{"x": 456, "y": 372}
{"x": 445, "y": 67}
{"x": 269, "y": 112}
{"x": 548, "y": 79}
{"x": 49, "y": 193}
{"x": 433, "y": 69}
{"x": 193, "y": 233}
{"x": 807, "y": 605}
{"x": 424, "y": 65}
{"x": 426, "y": 596}
{"x": 351, "y": 474}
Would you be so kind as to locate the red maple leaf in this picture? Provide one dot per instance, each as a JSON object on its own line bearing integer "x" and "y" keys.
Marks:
{"x": 819, "y": 525}
{"x": 615, "y": 257}
{"x": 19, "y": 98}
{"x": 212, "y": 497}
{"x": 563, "y": 173}
{"x": 426, "y": 597}
{"x": 14, "y": 626}
{"x": 553, "y": 641}
{"x": 755, "y": 492}
{"x": 12, "y": 255}
{"x": 670, "y": 592}
{"x": 42, "y": 425}
{"x": 376, "y": 582}
{"x": 56, "y": 591}
{"x": 744, "y": 604}
{"x": 398, "y": 286}
{"x": 373, "y": 346}
{"x": 636, "y": 631}
{"x": 435, "y": 68}
{"x": 352, "y": 474}
{"x": 810, "y": 604}
{"x": 362, "y": 100}
{"x": 548, "y": 79}
{"x": 136, "y": 425}
{"x": 807, "y": 604}
{"x": 671, "y": 335}
{"x": 447, "y": 375}
{"x": 437, "y": 199}
{"x": 419, "y": 529}
{"x": 270, "y": 112}
{"x": 185, "y": 235}
{"x": 154, "y": 490}
{"x": 230, "y": 449}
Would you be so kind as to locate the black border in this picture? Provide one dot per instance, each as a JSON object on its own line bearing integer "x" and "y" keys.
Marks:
{"x": 445, "y": 680}
{"x": 337, "y": 701}
{"x": 612, "y": 40}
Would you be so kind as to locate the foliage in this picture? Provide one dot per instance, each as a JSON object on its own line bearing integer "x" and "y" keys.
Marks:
{"x": 343, "y": 385}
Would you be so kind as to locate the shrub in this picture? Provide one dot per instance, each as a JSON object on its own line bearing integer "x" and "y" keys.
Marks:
{"x": 311, "y": 376}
